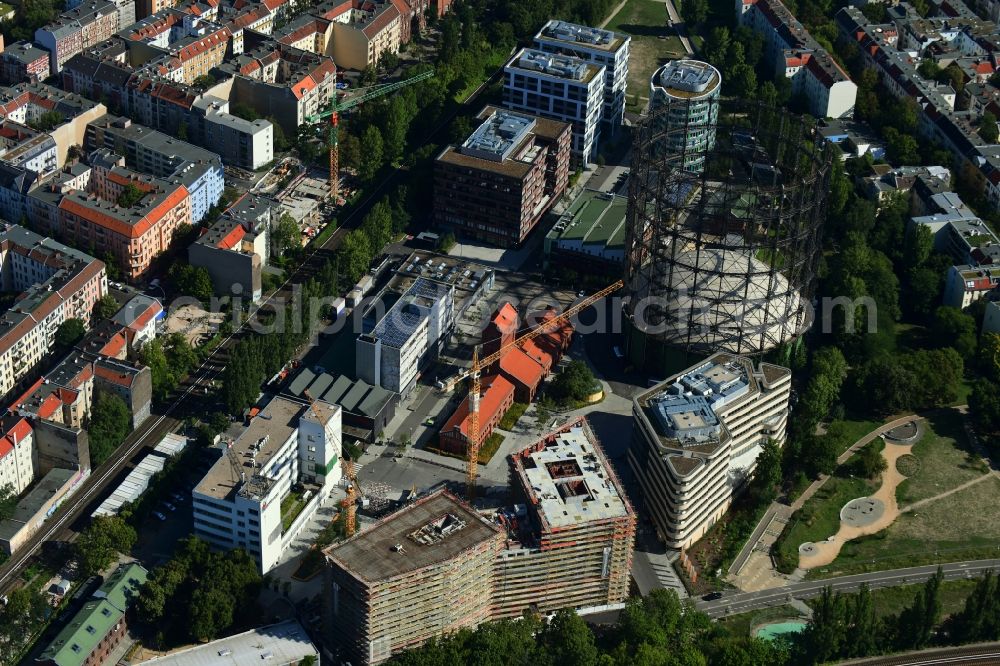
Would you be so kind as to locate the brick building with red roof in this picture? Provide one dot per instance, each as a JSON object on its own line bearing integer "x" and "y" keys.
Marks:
{"x": 497, "y": 398}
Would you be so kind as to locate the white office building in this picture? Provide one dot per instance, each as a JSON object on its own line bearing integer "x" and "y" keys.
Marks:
{"x": 289, "y": 447}
{"x": 560, "y": 87}
{"x": 408, "y": 335}
{"x": 688, "y": 93}
{"x": 696, "y": 440}
{"x": 599, "y": 47}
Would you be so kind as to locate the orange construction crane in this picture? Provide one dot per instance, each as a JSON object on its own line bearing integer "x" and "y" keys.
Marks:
{"x": 472, "y": 468}
{"x": 350, "y": 504}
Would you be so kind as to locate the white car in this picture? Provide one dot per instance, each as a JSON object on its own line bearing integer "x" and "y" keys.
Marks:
{"x": 159, "y": 515}
{"x": 618, "y": 352}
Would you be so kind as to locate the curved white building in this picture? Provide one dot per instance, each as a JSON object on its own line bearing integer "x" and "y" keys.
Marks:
{"x": 690, "y": 90}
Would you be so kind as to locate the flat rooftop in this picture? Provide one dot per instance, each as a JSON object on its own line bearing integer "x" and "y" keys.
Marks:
{"x": 687, "y": 78}
{"x": 276, "y": 645}
{"x": 372, "y": 556}
{"x": 407, "y": 314}
{"x": 580, "y": 35}
{"x": 569, "y": 480}
{"x": 271, "y": 428}
{"x": 557, "y": 66}
{"x": 499, "y": 135}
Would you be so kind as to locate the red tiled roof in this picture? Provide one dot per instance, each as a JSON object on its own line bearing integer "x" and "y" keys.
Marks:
{"x": 230, "y": 240}
{"x": 497, "y": 392}
{"x": 27, "y": 394}
{"x": 522, "y": 367}
{"x": 114, "y": 346}
{"x": 505, "y": 319}
{"x": 113, "y": 376}
{"x": 114, "y": 224}
{"x": 49, "y": 405}
{"x": 145, "y": 316}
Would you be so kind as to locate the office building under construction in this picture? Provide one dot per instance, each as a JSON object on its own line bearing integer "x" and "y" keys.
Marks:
{"x": 438, "y": 565}
{"x": 722, "y": 257}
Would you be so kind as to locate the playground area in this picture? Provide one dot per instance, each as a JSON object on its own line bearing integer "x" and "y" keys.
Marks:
{"x": 196, "y": 324}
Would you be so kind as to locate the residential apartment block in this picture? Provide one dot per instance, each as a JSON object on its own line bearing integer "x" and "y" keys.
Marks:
{"x": 696, "y": 439}
{"x": 56, "y": 283}
{"x": 281, "y": 82}
{"x": 362, "y": 30}
{"x": 597, "y": 46}
{"x": 180, "y": 46}
{"x": 499, "y": 183}
{"x": 77, "y": 29}
{"x": 239, "y": 502}
{"x": 562, "y": 88}
{"x": 796, "y": 55}
{"x": 243, "y": 143}
{"x": 163, "y": 156}
{"x": 94, "y": 216}
{"x": 407, "y": 336}
{"x": 28, "y": 102}
{"x": 23, "y": 62}
{"x": 437, "y": 565}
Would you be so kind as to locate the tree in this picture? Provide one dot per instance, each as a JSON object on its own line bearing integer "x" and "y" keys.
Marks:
{"x": 870, "y": 462}
{"x": 950, "y": 327}
{"x": 193, "y": 281}
{"x": 130, "y": 196}
{"x": 377, "y": 225}
{"x": 984, "y": 404}
{"x": 573, "y": 384}
{"x": 694, "y": 12}
{"x": 100, "y": 544}
{"x": 211, "y": 612}
{"x": 106, "y": 307}
{"x": 204, "y": 81}
{"x": 901, "y": 149}
{"x": 371, "y": 158}
{"x": 989, "y": 355}
{"x": 285, "y": 234}
{"x": 988, "y": 127}
{"x": 70, "y": 332}
{"x": 568, "y": 640}
{"x": 46, "y": 121}
{"x": 355, "y": 255}
{"x": 8, "y": 501}
{"x": 110, "y": 424}
{"x": 767, "y": 474}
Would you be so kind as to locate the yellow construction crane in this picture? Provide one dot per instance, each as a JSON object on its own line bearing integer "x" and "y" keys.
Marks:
{"x": 357, "y": 97}
{"x": 472, "y": 468}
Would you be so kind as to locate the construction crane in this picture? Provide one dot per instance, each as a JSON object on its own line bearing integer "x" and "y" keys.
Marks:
{"x": 350, "y": 503}
{"x": 360, "y": 96}
{"x": 472, "y": 468}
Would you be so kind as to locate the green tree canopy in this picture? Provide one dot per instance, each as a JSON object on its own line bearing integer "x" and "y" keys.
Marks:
{"x": 110, "y": 424}
{"x": 100, "y": 544}
{"x": 70, "y": 332}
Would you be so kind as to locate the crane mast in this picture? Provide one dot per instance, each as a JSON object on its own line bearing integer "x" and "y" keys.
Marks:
{"x": 361, "y": 96}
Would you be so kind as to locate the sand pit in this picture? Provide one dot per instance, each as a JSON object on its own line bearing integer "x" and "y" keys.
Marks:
{"x": 861, "y": 516}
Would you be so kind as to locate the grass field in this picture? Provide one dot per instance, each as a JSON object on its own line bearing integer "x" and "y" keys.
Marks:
{"x": 962, "y": 526}
{"x": 510, "y": 418}
{"x": 945, "y": 460}
{"x": 848, "y": 431}
{"x": 892, "y": 600}
{"x": 653, "y": 43}
{"x": 820, "y": 517}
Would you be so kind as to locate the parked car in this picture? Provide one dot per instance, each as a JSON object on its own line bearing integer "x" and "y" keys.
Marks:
{"x": 618, "y": 352}
{"x": 159, "y": 515}
{"x": 170, "y": 507}
{"x": 712, "y": 596}
{"x": 177, "y": 497}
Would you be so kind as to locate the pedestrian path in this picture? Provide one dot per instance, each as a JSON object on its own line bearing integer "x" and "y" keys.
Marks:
{"x": 654, "y": 571}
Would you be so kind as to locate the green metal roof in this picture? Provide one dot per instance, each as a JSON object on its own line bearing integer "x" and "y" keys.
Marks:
{"x": 79, "y": 638}
{"x": 122, "y": 587}
{"x": 97, "y": 617}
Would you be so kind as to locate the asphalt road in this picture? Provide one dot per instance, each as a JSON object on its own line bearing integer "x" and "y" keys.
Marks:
{"x": 731, "y": 604}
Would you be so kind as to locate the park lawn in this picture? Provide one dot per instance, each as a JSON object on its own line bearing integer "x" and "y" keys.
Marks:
{"x": 486, "y": 451}
{"x": 892, "y": 600}
{"x": 742, "y": 624}
{"x": 962, "y": 526}
{"x": 512, "y": 415}
{"x": 819, "y": 518}
{"x": 850, "y": 431}
{"x": 945, "y": 460}
{"x": 653, "y": 44}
